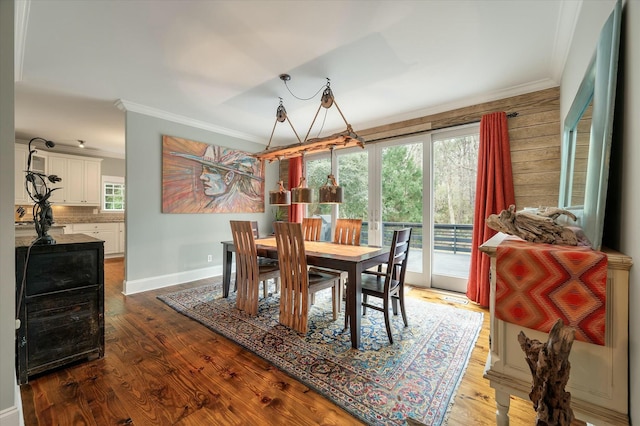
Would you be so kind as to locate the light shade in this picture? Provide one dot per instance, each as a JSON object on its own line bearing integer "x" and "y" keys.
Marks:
{"x": 280, "y": 197}
{"x": 330, "y": 192}
{"x": 301, "y": 194}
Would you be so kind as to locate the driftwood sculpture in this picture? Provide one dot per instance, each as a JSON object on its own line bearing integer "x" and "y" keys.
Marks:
{"x": 538, "y": 227}
{"x": 549, "y": 365}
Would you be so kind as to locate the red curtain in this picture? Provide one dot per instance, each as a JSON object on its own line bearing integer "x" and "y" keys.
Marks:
{"x": 494, "y": 193}
{"x": 295, "y": 172}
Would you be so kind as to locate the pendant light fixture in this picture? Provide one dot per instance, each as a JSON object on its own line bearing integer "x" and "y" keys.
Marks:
{"x": 330, "y": 192}
{"x": 280, "y": 196}
{"x": 301, "y": 194}
{"x": 345, "y": 139}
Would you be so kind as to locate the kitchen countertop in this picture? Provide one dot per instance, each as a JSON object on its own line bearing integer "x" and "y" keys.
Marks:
{"x": 69, "y": 220}
{"x": 26, "y": 224}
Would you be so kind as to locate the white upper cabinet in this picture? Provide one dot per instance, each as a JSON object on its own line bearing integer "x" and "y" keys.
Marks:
{"x": 80, "y": 185}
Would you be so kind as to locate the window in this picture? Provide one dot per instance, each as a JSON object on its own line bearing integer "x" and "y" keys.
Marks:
{"x": 112, "y": 194}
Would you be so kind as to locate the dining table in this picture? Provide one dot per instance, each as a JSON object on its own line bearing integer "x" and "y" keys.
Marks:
{"x": 352, "y": 259}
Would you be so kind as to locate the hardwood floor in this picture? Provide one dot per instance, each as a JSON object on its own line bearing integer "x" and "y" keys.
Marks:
{"x": 161, "y": 368}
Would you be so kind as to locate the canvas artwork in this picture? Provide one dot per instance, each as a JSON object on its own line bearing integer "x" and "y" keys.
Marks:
{"x": 202, "y": 178}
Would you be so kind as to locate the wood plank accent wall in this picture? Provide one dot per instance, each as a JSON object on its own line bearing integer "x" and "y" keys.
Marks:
{"x": 535, "y": 136}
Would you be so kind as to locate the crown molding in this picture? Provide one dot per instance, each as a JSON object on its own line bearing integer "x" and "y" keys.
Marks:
{"x": 125, "y": 105}
{"x": 565, "y": 29}
{"x": 522, "y": 89}
{"x": 20, "y": 25}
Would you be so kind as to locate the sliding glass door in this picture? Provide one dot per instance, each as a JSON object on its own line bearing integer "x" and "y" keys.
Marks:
{"x": 384, "y": 186}
{"x": 426, "y": 182}
{"x": 454, "y": 170}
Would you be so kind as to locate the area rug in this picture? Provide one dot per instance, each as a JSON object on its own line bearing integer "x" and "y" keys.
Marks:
{"x": 381, "y": 384}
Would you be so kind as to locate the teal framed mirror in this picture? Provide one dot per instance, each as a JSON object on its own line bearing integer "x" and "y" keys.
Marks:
{"x": 586, "y": 139}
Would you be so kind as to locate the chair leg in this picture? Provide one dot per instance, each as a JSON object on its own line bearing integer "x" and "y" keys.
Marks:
{"x": 404, "y": 312}
{"x": 364, "y": 308}
{"x": 335, "y": 295}
{"x": 265, "y": 288}
{"x": 394, "y": 305}
{"x": 387, "y": 322}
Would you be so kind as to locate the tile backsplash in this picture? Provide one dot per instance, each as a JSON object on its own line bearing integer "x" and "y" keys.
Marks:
{"x": 73, "y": 214}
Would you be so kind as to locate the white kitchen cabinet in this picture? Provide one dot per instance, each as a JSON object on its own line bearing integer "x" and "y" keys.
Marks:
{"x": 121, "y": 229}
{"x": 58, "y": 166}
{"x": 80, "y": 185}
{"x": 38, "y": 164}
{"x": 105, "y": 231}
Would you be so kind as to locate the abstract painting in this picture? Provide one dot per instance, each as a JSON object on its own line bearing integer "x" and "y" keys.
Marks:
{"x": 202, "y": 178}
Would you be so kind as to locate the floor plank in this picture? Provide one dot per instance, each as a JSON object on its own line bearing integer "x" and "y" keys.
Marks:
{"x": 162, "y": 368}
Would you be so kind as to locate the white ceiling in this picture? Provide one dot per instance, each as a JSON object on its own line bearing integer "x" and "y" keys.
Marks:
{"x": 215, "y": 64}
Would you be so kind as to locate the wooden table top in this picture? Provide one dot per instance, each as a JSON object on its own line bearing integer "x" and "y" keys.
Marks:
{"x": 325, "y": 247}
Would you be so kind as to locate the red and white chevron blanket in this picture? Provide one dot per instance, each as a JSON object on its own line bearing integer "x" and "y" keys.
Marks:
{"x": 538, "y": 283}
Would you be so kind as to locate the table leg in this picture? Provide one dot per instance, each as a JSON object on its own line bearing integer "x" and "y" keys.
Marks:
{"x": 354, "y": 300}
{"x": 226, "y": 271}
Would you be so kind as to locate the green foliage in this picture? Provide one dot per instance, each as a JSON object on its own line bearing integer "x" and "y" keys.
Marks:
{"x": 402, "y": 183}
{"x": 278, "y": 214}
{"x": 454, "y": 176}
{"x": 454, "y": 179}
{"x": 354, "y": 180}
{"x": 317, "y": 172}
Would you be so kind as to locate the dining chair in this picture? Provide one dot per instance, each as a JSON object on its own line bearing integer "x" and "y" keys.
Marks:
{"x": 347, "y": 232}
{"x": 249, "y": 272}
{"x": 387, "y": 285}
{"x": 262, "y": 260}
{"x": 297, "y": 283}
{"x": 312, "y": 228}
{"x": 254, "y": 229}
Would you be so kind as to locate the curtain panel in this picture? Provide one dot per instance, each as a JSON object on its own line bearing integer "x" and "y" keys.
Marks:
{"x": 494, "y": 193}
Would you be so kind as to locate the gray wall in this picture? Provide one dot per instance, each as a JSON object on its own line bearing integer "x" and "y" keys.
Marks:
{"x": 592, "y": 16}
{"x": 9, "y": 414}
{"x": 113, "y": 167}
{"x": 160, "y": 244}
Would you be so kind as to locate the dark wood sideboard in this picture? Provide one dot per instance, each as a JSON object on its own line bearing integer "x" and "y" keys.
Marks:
{"x": 60, "y": 305}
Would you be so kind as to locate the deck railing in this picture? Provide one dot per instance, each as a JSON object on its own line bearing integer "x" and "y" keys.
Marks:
{"x": 448, "y": 237}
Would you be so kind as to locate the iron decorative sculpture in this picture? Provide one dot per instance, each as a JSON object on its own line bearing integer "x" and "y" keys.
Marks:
{"x": 39, "y": 192}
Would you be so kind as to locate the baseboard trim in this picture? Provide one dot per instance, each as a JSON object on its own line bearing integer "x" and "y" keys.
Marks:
{"x": 12, "y": 416}
{"x": 161, "y": 281}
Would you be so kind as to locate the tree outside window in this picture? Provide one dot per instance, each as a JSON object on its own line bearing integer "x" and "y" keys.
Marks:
{"x": 113, "y": 194}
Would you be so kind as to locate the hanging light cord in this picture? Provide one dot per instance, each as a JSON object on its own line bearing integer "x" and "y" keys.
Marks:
{"x": 327, "y": 84}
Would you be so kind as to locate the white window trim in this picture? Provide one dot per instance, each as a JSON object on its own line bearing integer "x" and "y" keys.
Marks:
{"x": 105, "y": 180}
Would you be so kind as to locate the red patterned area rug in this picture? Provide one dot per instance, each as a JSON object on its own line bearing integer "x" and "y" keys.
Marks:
{"x": 381, "y": 384}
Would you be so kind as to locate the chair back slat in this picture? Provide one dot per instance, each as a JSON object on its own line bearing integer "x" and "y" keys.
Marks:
{"x": 294, "y": 292}
{"x": 398, "y": 258}
{"x": 348, "y": 231}
{"x": 312, "y": 228}
{"x": 254, "y": 229}
{"x": 247, "y": 270}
